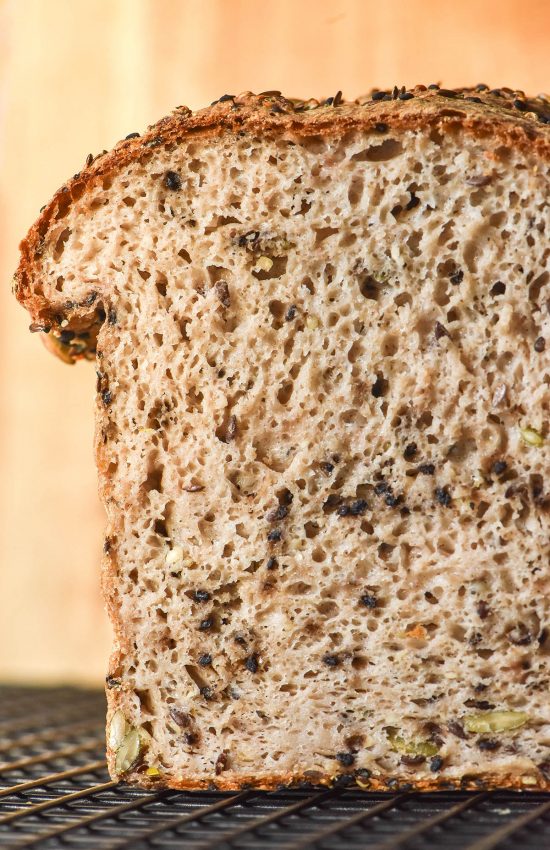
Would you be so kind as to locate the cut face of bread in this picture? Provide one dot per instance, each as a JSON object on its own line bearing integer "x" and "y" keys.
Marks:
{"x": 322, "y": 437}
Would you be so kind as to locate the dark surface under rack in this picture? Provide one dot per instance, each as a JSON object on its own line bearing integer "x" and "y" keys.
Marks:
{"x": 56, "y": 793}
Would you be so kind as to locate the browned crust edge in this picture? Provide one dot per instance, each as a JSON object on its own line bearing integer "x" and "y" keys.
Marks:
{"x": 507, "y": 117}
{"x": 483, "y": 781}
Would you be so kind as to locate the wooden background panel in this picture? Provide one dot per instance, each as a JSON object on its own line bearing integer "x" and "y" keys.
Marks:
{"x": 75, "y": 76}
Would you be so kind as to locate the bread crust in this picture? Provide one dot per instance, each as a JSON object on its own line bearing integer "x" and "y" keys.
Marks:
{"x": 508, "y": 117}
{"x": 484, "y": 115}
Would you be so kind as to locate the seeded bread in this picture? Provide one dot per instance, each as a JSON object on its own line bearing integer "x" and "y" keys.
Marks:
{"x": 322, "y": 435}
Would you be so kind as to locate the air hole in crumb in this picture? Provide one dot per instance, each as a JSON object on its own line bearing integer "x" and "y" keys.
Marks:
{"x": 389, "y": 149}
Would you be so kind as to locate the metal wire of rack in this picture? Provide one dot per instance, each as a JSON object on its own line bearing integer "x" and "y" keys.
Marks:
{"x": 55, "y": 792}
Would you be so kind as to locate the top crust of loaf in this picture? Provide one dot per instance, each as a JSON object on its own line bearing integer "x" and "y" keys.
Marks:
{"x": 507, "y": 116}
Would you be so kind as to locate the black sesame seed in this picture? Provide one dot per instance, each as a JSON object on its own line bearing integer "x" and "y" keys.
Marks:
{"x": 433, "y": 86}
{"x": 132, "y": 136}
{"x": 66, "y": 337}
{"x": 363, "y": 773}
{"x": 381, "y": 487}
{"x": 343, "y": 780}
{"x": 378, "y": 95}
{"x": 410, "y": 451}
{"x": 426, "y": 468}
{"x": 496, "y": 92}
{"x": 331, "y": 660}
{"x": 474, "y": 99}
{"x": 482, "y": 87}
{"x": 442, "y": 496}
{"x": 206, "y": 624}
{"x": 391, "y": 500}
{"x": 406, "y": 95}
{"x": 89, "y": 160}
{"x": 521, "y": 105}
{"x": 436, "y": 764}
{"x": 106, "y": 397}
{"x": 343, "y": 510}
{"x": 447, "y": 93}
{"x": 111, "y": 316}
{"x": 205, "y": 660}
{"x": 291, "y": 313}
{"x": 414, "y": 201}
{"x": 225, "y": 97}
{"x": 201, "y": 595}
{"x": 345, "y": 759}
{"x": 358, "y": 507}
{"x": 271, "y": 563}
{"x": 277, "y": 514}
{"x": 328, "y": 101}
{"x": 499, "y": 467}
{"x": 328, "y": 468}
{"x": 337, "y": 99}
{"x": 251, "y": 663}
{"x": 275, "y": 535}
{"x": 172, "y": 180}
{"x": 107, "y": 545}
{"x": 488, "y": 744}
{"x": 207, "y": 692}
{"x": 368, "y": 600}
{"x": 457, "y": 277}
{"x": 380, "y": 127}
{"x": 540, "y": 344}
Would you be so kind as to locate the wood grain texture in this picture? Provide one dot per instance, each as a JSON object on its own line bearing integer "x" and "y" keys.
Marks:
{"x": 77, "y": 75}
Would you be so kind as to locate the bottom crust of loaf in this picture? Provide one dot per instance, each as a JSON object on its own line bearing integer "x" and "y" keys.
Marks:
{"x": 281, "y": 781}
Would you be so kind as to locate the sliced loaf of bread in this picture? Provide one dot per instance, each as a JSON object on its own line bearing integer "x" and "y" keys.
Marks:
{"x": 322, "y": 335}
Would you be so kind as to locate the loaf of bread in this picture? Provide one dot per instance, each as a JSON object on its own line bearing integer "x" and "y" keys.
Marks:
{"x": 322, "y": 335}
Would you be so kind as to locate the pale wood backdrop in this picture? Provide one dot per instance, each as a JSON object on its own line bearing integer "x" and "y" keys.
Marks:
{"x": 75, "y": 76}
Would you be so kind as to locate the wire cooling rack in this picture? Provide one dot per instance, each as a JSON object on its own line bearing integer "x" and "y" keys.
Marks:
{"x": 56, "y": 793}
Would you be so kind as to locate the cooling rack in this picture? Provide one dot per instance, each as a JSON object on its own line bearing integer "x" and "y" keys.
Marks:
{"x": 56, "y": 793}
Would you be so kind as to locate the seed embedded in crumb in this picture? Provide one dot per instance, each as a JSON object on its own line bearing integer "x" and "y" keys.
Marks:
{"x": 499, "y": 467}
{"x": 277, "y": 513}
{"x": 368, "y": 600}
{"x": 205, "y": 660}
{"x": 331, "y": 660}
{"x": 172, "y": 181}
{"x": 442, "y": 496}
{"x": 540, "y": 344}
{"x": 251, "y": 663}
{"x": 201, "y": 596}
{"x": 345, "y": 759}
{"x": 207, "y": 692}
{"x": 426, "y": 468}
{"x": 206, "y": 624}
